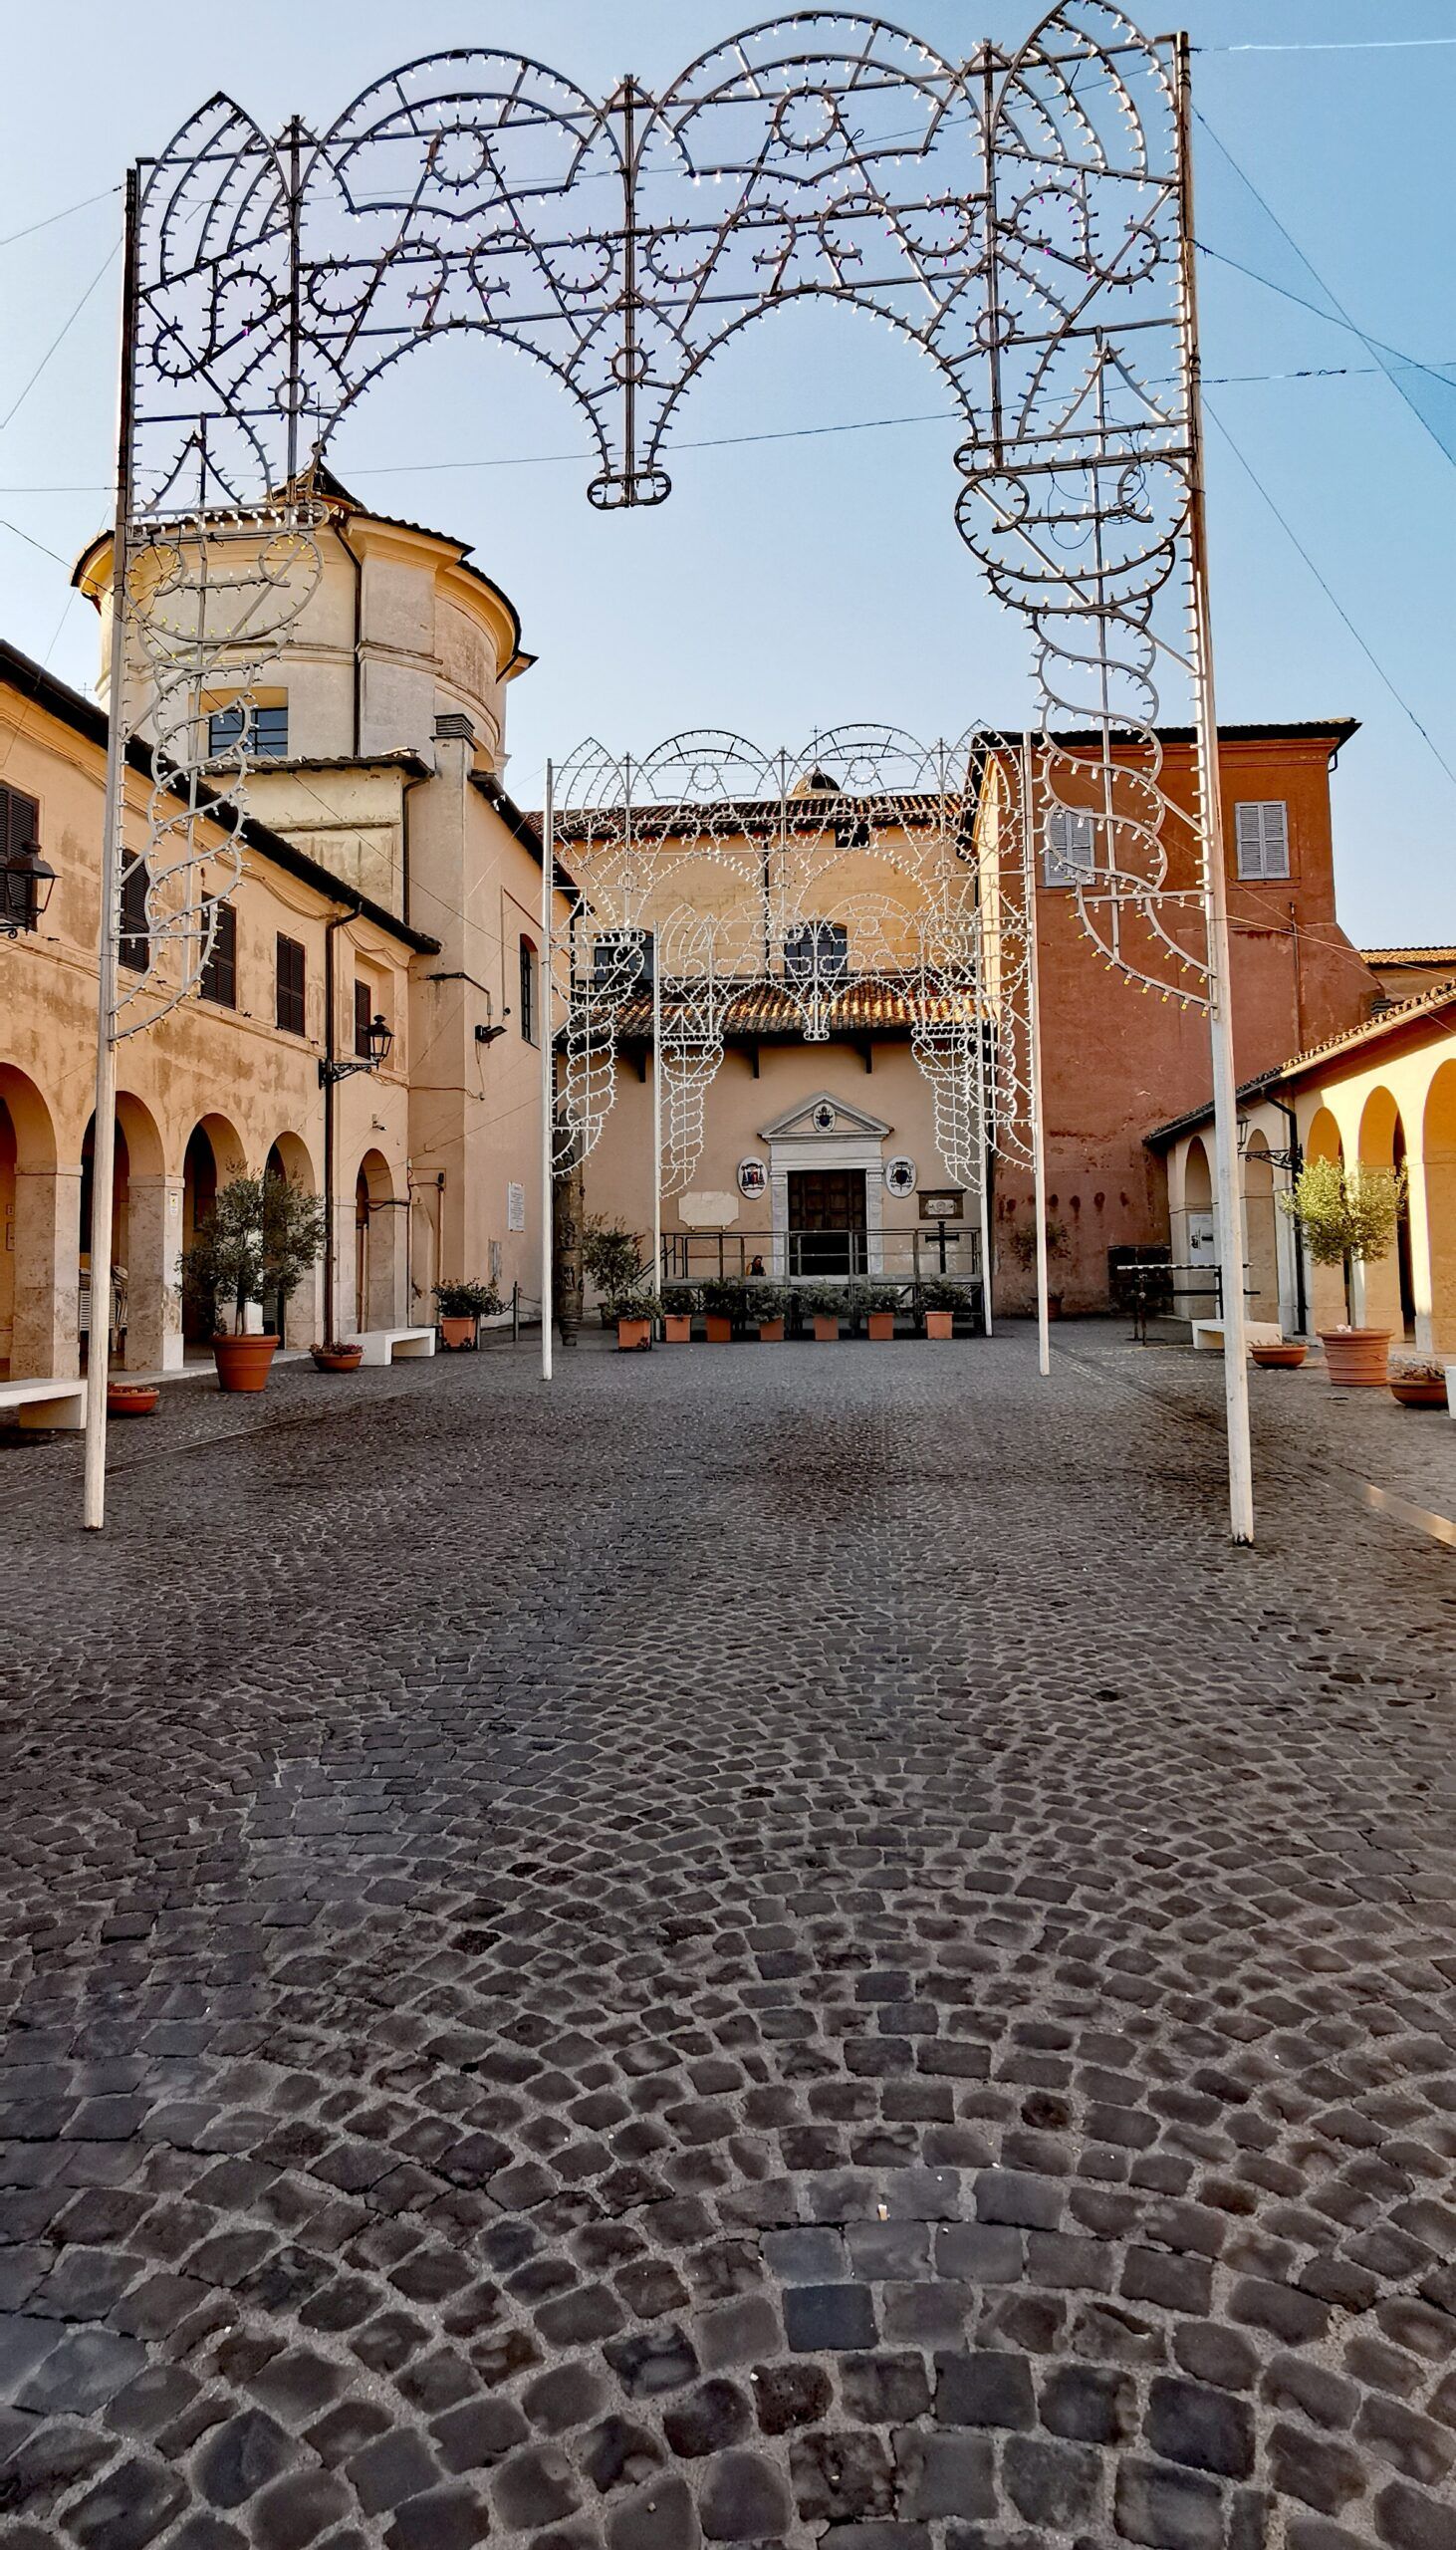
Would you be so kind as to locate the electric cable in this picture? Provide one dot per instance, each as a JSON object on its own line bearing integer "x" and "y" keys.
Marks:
{"x": 58, "y": 340}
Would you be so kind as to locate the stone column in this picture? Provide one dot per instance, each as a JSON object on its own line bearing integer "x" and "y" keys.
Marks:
{"x": 44, "y": 1342}
{"x": 153, "y": 1297}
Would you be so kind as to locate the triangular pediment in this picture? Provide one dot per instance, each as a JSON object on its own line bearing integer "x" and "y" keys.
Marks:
{"x": 797, "y": 1123}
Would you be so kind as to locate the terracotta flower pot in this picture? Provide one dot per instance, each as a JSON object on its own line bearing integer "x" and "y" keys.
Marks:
{"x": 633, "y": 1336}
{"x": 771, "y": 1332}
{"x": 1287, "y": 1356}
{"x": 825, "y": 1326}
{"x": 1418, "y": 1394}
{"x": 1357, "y": 1357}
{"x": 132, "y": 1399}
{"x": 347, "y": 1359}
{"x": 720, "y": 1330}
{"x": 678, "y": 1327}
{"x": 244, "y": 1363}
{"x": 457, "y": 1333}
{"x": 882, "y": 1324}
{"x": 939, "y": 1323}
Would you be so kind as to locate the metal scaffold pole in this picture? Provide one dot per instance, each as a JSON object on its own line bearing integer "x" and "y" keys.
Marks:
{"x": 1033, "y": 1054}
{"x": 546, "y": 1032}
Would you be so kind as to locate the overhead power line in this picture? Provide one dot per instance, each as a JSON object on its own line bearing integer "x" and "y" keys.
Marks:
{"x": 58, "y": 340}
{"x": 52, "y": 219}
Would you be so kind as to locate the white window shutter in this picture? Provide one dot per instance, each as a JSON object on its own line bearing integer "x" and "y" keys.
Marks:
{"x": 1276, "y": 838}
{"x": 1070, "y": 846}
{"x": 1249, "y": 834}
{"x": 1261, "y": 834}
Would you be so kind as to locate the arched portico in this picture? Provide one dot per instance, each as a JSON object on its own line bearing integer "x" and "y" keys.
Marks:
{"x": 139, "y": 1288}
{"x": 374, "y": 1285}
{"x": 1381, "y": 1289}
{"x": 214, "y": 1153}
{"x": 1260, "y": 1228}
{"x": 40, "y": 1205}
{"x": 1328, "y": 1293}
{"x": 1438, "y": 1181}
{"x": 298, "y": 1321}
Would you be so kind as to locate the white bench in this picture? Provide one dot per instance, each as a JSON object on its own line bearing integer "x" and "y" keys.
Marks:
{"x": 58, "y": 1404}
{"x": 383, "y": 1345}
{"x": 1208, "y": 1333}
{"x": 1451, "y": 1390}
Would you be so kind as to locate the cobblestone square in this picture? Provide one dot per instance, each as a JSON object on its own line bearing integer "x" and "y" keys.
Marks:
{"x": 761, "y": 1946}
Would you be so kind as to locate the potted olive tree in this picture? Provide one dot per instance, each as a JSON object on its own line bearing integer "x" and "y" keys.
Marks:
{"x": 876, "y": 1305}
{"x": 1347, "y": 1217}
{"x": 255, "y": 1244}
{"x": 940, "y": 1299}
{"x": 461, "y": 1308}
{"x": 765, "y": 1308}
{"x": 679, "y": 1300}
{"x": 1021, "y": 1243}
{"x": 824, "y": 1303}
{"x": 725, "y": 1304}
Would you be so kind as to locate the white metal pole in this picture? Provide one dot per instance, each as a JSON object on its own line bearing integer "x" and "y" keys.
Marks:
{"x": 1034, "y": 1053}
{"x": 546, "y": 1032}
{"x": 104, "y": 1137}
{"x": 656, "y": 1110}
{"x": 1215, "y": 876}
{"x": 981, "y": 1127}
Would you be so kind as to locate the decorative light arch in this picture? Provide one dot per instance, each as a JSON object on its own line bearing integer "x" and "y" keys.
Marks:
{"x": 1023, "y": 217}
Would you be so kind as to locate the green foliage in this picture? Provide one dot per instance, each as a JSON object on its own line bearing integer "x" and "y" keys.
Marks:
{"x": 257, "y": 1242}
{"x": 865, "y": 1298}
{"x": 765, "y": 1299}
{"x": 938, "y": 1293}
{"x": 1345, "y": 1212}
{"x": 822, "y": 1299}
{"x": 1021, "y": 1243}
{"x": 726, "y": 1298}
{"x": 679, "y": 1300}
{"x": 637, "y": 1304}
{"x": 610, "y": 1256}
{"x": 466, "y": 1301}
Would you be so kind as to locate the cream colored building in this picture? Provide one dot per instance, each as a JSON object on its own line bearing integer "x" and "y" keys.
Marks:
{"x": 387, "y": 871}
{"x": 1382, "y": 1096}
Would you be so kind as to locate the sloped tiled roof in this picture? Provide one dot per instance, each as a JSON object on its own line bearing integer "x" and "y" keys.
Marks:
{"x": 1396, "y": 1014}
{"x": 873, "y": 1007}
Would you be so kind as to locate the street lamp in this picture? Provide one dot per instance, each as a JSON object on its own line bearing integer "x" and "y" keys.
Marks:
{"x": 26, "y": 883}
{"x": 378, "y": 1038}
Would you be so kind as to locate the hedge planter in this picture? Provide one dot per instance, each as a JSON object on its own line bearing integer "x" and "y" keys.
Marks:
{"x": 633, "y": 1336}
{"x": 1357, "y": 1357}
{"x": 136, "y": 1399}
{"x": 939, "y": 1323}
{"x": 336, "y": 1358}
{"x": 1287, "y": 1356}
{"x": 244, "y": 1363}
{"x": 825, "y": 1326}
{"x": 458, "y": 1335}
{"x": 678, "y": 1328}
{"x": 771, "y": 1332}
{"x": 881, "y": 1324}
{"x": 720, "y": 1330}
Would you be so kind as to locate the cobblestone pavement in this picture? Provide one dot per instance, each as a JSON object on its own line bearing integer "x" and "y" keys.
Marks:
{"x": 773, "y": 1946}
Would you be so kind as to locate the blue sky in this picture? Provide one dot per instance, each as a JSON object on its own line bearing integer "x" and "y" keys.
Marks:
{"x": 790, "y": 583}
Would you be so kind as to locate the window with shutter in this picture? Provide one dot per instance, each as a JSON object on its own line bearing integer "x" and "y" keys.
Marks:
{"x": 364, "y": 1012}
{"x": 1261, "y": 837}
{"x": 622, "y": 960}
{"x": 528, "y": 990}
{"x": 290, "y": 1010}
{"x": 219, "y": 980}
{"x": 819, "y": 952}
{"x": 135, "y": 938}
{"x": 20, "y": 822}
{"x": 1071, "y": 848}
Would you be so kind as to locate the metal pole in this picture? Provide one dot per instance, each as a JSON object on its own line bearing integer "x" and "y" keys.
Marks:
{"x": 103, "y": 1151}
{"x": 981, "y": 1129}
{"x": 1215, "y": 876}
{"x": 547, "y": 1030}
{"x": 1033, "y": 1054}
{"x": 657, "y": 1111}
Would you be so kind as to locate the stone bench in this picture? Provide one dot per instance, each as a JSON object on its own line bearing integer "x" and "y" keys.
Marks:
{"x": 383, "y": 1345}
{"x": 1208, "y": 1333}
{"x": 58, "y": 1404}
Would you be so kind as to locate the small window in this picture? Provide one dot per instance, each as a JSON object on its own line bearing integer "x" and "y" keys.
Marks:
{"x": 622, "y": 960}
{"x": 363, "y": 1016}
{"x": 20, "y": 823}
{"x": 817, "y": 953}
{"x": 266, "y": 738}
{"x": 219, "y": 980}
{"x": 136, "y": 938}
{"x": 1071, "y": 853}
{"x": 289, "y": 1011}
{"x": 1261, "y": 834}
{"x": 852, "y": 831}
{"x": 528, "y": 990}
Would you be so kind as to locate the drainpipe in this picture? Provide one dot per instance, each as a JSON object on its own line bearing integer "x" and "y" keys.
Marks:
{"x": 411, "y": 786}
{"x": 357, "y": 563}
{"x": 330, "y": 1236}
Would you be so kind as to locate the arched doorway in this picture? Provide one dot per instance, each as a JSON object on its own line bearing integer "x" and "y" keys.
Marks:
{"x": 378, "y": 1241}
{"x": 296, "y": 1320}
{"x": 133, "y": 1290}
{"x": 37, "y": 1248}
{"x": 1198, "y": 1292}
{"x": 1328, "y": 1286}
{"x": 213, "y": 1154}
{"x": 1260, "y": 1231}
{"x": 1438, "y": 1162}
{"x": 1385, "y": 1291}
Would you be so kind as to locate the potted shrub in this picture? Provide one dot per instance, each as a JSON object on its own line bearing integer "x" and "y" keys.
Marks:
{"x": 724, "y": 1302}
{"x": 633, "y": 1314}
{"x": 1417, "y": 1380}
{"x": 679, "y": 1300}
{"x": 461, "y": 1308}
{"x": 256, "y": 1244}
{"x": 940, "y": 1299}
{"x": 766, "y": 1306}
{"x": 824, "y": 1303}
{"x": 876, "y": 1305}
{"x": 610, "y": 1261}
{"x": 337, "y": 1354}
{"x": 1285, "y": 1357}
{"x": 1347, "y": 1215}
{"x": 1021, "y": 1243}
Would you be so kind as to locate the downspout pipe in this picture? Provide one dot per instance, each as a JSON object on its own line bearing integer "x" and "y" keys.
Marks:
{"x": 338, "y": 922}
{"x": 357, "y": 563}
